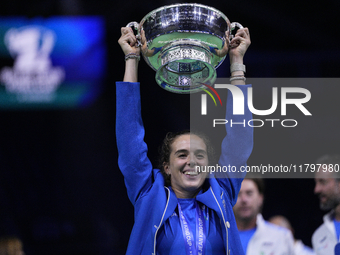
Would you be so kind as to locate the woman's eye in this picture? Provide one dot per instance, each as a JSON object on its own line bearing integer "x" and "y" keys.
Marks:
{"x": 249, "y": 193}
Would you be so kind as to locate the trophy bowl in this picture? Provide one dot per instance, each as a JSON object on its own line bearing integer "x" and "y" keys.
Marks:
{"x": 184, "y": 44}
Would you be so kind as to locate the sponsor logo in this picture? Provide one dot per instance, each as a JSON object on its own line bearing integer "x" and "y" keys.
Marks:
{"x": 32, "y": 71}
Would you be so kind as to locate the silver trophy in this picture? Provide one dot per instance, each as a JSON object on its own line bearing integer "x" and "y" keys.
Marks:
{"x": 184, "y": 44}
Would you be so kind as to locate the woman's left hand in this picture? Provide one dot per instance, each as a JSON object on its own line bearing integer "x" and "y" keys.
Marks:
{"x": 239, "y": 45}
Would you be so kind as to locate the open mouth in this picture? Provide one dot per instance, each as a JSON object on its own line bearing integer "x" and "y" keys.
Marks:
{"x": 191, "y": 173}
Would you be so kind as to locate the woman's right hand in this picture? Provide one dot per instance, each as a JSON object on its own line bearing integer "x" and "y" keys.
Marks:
{"x": 128, "y": 41}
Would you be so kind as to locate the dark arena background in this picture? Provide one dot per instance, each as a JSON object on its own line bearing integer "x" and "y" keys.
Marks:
{"x": 61, "y": 191}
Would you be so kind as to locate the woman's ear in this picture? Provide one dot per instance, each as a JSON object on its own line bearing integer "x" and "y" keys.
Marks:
{"x": 166, "y": 168}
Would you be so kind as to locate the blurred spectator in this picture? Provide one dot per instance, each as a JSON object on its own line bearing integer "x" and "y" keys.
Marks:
{"x": 299, "y": 247}
{"x": 257, "y": 235}
{"x": 11, "y": 245}
{"x": 327, "y": 187}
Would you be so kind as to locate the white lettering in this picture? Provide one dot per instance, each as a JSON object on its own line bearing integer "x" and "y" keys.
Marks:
{"x": 262, "y": 112}
{"x": 219, "y": 121}
{"x": 298, "y": 102}
{"x": 238, "y": 100}
{"x": 251, "y": 123}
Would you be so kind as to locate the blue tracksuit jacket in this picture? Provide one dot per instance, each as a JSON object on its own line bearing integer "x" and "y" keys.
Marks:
{"x": 153, "y": 202}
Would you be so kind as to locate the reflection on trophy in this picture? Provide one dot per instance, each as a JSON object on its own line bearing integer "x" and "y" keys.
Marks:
{"x": 184, "y": 44}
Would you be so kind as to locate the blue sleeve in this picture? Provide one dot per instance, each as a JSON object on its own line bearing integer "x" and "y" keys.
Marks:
{"x": 212, "y": 50}
{"x": 132, "y": 150}
{"x": 156, "y": 50}
{"x": 236, "y": 146}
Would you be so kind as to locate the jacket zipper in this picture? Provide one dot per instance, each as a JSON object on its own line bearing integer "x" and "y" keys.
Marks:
{"x": 225, "y": 224}
{"x": 157, "y": 228}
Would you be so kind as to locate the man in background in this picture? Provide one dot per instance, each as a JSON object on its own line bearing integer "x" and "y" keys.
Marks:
{"x": 299, "y": 247}
{"x": 257, "y": 235}
{"x": 327, "y": 187}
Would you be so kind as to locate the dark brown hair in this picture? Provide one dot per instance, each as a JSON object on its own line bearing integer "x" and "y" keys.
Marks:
{"x": 259, "y": 182}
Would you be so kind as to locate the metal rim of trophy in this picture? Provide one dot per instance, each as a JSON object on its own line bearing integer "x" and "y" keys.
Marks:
{"x": 189, "y": 43}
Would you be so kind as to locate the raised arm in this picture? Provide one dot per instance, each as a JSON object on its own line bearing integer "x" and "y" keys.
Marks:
{"x": 237, "y": 49}
{"x": 132, "y": 159}
{"x": 128, "y": 43}
{"x": 238, "y": 144}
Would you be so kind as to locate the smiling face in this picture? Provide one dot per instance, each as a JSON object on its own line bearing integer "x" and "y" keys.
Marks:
{"x": 187, "y": 152}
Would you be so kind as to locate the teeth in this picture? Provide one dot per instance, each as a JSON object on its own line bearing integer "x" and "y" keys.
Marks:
{"x": 191, "y": 173}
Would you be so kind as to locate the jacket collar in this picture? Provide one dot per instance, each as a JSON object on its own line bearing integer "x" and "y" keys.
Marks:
{"x": 260, "y": 221}
{"x": 328, "y": 221}
{"x": 210, "y": 197}
{"x": 172, "y": 204}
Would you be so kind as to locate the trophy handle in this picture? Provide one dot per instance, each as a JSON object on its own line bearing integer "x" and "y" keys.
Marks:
{"x": 232, "y": 27}
{"x": 135, "y": 25}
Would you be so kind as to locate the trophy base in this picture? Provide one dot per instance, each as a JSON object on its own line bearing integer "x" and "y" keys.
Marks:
{"x": 185, "y": 67}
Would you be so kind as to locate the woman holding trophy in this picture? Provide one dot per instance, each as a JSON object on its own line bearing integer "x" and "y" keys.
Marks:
{"x": 178, "y": 210}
